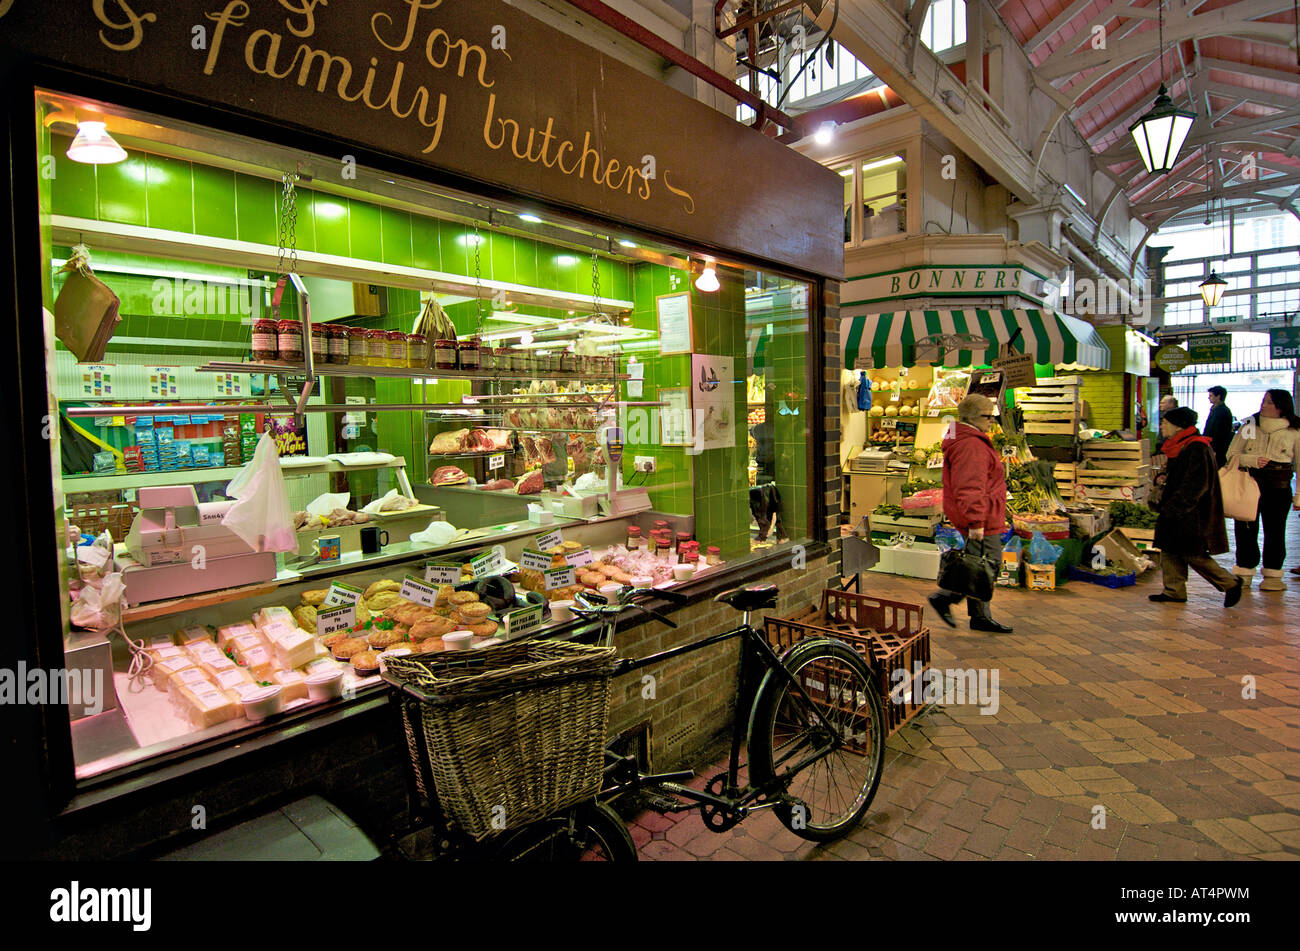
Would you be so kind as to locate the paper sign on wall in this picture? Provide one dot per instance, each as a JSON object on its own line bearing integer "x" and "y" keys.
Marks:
{"x": 674, "y": 311}
{"x": 96, "y": 379}
{"x": 163, "y": 381}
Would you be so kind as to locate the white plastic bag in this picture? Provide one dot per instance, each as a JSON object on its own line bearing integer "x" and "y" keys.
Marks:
{"x": 261, "y": 515}
{"x": 323, "y": 505}
{"x": 438, "y": 534}
{"x": 377, "y": 506}
{"x": 100, "y": 608}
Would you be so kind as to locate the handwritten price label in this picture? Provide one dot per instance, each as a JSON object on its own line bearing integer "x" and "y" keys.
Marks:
{"x": 560, "y": 578}
{"x": 550, "y": 540}
{"x": 498, "y": 461}
{"x": 442, "y": 574}
{"x": 523, "y": 620}
{"x": 341, "y": 593}
{"x": 535, "y": 560}
{"x": 413, "y": 589}
{"x": 339, "y": 619}
{"x": 579, "y": 558}
{"x": 488, "y": 563}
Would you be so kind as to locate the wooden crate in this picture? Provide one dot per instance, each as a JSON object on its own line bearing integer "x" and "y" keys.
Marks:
{"x": 1124, "y": 493}
{"x": 889, "y": 635}
{"x": 1138, "y": 451}
{"x": 1050, "y": 429}
{"x": 1143, "y": 539}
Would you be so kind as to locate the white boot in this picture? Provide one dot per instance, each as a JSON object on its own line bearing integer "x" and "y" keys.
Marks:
{"x": 1272, "y": 580}
{"x": 1247, "y": 575}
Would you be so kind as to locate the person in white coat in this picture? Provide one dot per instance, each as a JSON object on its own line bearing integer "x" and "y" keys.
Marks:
{"x": 1268, "y": 447}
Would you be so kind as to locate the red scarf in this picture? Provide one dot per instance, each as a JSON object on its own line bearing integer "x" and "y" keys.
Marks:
{"x": 1182, "y": 439}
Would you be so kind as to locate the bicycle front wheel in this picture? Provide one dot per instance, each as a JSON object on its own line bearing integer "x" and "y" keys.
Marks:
{"x": 590, "y": 832}
{"x": 829, "y": 772}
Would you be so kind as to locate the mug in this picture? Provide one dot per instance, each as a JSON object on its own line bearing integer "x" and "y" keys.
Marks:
{"x": 329, "y": 547}
{"x": 370, "y": 540}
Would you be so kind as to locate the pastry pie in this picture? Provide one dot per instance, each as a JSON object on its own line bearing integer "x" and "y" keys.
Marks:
{"x": 366, "y": 662}
{"x": 408, "y": 612}
{"x": 384, "y": 639}
{"x": 445, "y": 591}
{"x": 382, "y": 585}
{"x": 475, "y": 613}
{"x": 350, "y": 647}
{"x": 383, "y": 599}
{"x": 432, "y": 627}
{"x": 315, "y": 598}
{"x": 462, "y": 597}
{"x": 335, "y": 639}
{"x": 305, "y": 615}
{"x": 484, "y": 629}
{"x": 428, "y": 645}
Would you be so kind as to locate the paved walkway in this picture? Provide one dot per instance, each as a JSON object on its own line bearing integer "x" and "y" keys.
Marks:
{"x": 1106, "y": 700}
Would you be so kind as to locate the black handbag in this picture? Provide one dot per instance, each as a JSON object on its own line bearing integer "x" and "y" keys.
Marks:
{"x": 967, "y": 574}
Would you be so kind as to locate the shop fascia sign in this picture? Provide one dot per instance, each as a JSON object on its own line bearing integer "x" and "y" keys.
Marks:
{"x": 1284, "y": 343}
{"x": 947, "y": 281}
{"x": 473, "y": 87}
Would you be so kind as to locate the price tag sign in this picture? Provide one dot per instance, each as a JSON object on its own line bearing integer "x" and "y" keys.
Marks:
{"x": 498, "y": 461}
{"x": 336, "y": 620}
{"x": 341, "y": 593}
{"x": 935, "y": 462}
{"x": 579, "y": 558}
{"x": 894, "y": 394}
{"x": 536, "y": 560}
{"x": 933, "y": 411}
{"x": 560, "y": 578}
{"x": 550, "y": 540}
{"x": 1008, "y": 451}
{"x": 888, "y": 423}
{"x": 442, "y": 573}
{"x": 413, "y": 589}
{"x": 488, "y": 563}
{"x": 523, "y": 620}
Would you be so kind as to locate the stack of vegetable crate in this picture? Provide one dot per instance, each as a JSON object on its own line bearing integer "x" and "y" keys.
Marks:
{"x": 1064, "y": 473}
{"x": 1052, "y": 416}
{"x": 1137, "y": 523}
{"x": 1114, "y": 469}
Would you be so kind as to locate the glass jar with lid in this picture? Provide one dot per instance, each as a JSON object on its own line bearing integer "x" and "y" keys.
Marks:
{"x": 633, "y": 538}
{"x": 397, "y": 349}
{"x": 444, "y": 354}
{"x": 467, "y": 353}
{"x": 358, "y": 348}
{"x": 417, "y": 351}
{"x": 337, "y": 343}
{"x": 265, "y": 340}
{"x": 713, "y": 555}
{"x": 289, "y": 340}
{"x": 377, "y": 348}
{"x": 319, "y": 343}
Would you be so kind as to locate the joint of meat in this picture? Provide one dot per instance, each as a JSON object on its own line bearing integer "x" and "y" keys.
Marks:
{"x": 531, "y": 484}
{"x": 498, "y": 439}
{"x": 448, "y": 475}
{"x": 451, "y": 442}
{"x": 497, "y": 485}
{"x": 577, "y": 450}
{"x": 545, "y": 451}
{"x": 531, "y": 457}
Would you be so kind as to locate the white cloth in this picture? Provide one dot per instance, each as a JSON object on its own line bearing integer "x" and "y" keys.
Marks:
{"x": 1274, "y": 439}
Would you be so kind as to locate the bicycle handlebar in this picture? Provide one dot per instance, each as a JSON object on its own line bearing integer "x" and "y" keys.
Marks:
{"x": 591, "y": 606}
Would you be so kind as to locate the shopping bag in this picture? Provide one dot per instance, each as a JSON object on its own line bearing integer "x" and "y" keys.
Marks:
{"x": 966, "y": 573}
{"x": 1240, "y": 493}
{"x": 86, "y": 310}
{"x": 261, "y": 515}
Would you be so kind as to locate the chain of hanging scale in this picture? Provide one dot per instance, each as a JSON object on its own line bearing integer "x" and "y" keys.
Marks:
{"x": 597, "y": 313}
{"x": 287, "y": 243}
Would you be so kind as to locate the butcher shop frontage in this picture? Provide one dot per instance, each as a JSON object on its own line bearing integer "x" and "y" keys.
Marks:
{"x": 302, "y": 341}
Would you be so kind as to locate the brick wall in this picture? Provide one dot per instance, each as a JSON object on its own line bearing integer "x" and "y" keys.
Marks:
{"x": 695, "y": 693}
{"x": 1104, "y": 393}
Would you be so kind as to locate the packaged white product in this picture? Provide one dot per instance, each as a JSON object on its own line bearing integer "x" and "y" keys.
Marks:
{"x": 162, "y": 671}
{"x": 326, "y": 663}
{"x": 209, "y": 707}
{"x": 274, "y": 630}
{"x": 187, "y": 678}
{"x": 199, "y": 634}
{"x": 266, "y": 616}
{"x": 295, "y": 649}
{"x": 206, "y": 652}
{"x": 232, "y": 678}
{"x": 218, "y": 664}
{"x": 244, "y": 643}
{"x": 168, "y": 652}
{"x": 228, "y": 632}
{"x": 293, "y": 682}
{"x": 160, "y": 641}
{"x": 259, "y": 663}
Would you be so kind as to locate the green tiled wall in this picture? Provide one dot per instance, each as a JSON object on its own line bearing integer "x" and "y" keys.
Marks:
{"x": 187, "y": 197}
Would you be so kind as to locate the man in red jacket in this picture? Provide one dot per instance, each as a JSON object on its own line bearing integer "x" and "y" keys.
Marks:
{"x": 975, "y": 502}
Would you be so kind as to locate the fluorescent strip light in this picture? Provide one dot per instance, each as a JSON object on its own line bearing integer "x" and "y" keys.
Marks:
{"x": 1075, "y": 195}
{"x": 881, "y": 163}
{"x": 532, "y": 219}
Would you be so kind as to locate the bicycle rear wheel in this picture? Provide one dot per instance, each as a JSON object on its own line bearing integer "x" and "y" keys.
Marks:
{"x": 589, "y": 832}
{"x": 830, "y": 794}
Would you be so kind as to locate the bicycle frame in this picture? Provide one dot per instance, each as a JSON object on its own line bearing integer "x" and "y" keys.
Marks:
{"x": 753, "y": 648}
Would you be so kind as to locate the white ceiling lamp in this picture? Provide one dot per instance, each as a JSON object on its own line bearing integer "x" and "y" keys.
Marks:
{"x": 708, "y": 281}
{"x": 825, "y": 132}
{"x": 531, "y": 219}
{"x": 94, "y": 146}
{"x": 881, "y": 163}
{"x": 1161, "y": 132}
{"x": 1212, "y": 289}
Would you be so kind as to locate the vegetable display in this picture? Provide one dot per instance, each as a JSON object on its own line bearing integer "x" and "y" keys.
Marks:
{"x": 1129, "y": 515}
{"x": 889, "y": 511}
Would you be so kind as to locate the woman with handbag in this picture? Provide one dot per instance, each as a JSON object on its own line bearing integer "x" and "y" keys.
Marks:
{"x": 975, "y": 502}
{"x": 1267, "y": 446}
{"x": 1190, "y": 529}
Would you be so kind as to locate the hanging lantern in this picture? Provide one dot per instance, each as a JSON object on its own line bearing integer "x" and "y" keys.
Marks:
{"x": 94, "y": 146}
{"x": 1161, "y": 132}
{"x": 1212, "y": 289}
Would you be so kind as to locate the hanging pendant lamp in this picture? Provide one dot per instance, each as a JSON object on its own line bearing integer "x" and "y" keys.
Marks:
{"x": 1160, "y": 133}
{"x": 1212, "y": 289}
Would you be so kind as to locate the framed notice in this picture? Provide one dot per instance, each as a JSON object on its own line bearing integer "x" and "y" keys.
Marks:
{"x": 675, "y": 416}
{"x": 674, "y": 312}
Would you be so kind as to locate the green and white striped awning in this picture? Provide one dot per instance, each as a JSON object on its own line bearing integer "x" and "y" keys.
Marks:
{"x": 889, "y": 340}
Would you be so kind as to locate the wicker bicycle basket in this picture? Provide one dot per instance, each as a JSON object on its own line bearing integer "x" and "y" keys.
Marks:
{"x": 513, "y": 733}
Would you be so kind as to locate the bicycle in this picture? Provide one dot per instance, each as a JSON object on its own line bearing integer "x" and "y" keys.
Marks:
{"x": 816, "y": 727}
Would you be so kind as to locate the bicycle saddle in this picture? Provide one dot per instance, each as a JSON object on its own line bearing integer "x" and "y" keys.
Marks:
{"x": 754, "y": 597}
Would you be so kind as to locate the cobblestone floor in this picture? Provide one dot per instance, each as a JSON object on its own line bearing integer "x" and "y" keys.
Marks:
{"x": 1106, "y": 699}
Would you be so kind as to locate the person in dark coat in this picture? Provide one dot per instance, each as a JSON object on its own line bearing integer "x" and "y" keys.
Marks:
{"x": 1190, "y": 528}
{"x": 975, "y": 502}
{"x": 1218, "y": 426}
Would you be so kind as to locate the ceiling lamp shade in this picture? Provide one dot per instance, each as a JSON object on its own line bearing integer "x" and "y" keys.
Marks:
{"x": 1212, "y": 289}
{"x": 1161, "y": 132}
{"x": 708, "y": 281}
{"x": 94, "y": 146}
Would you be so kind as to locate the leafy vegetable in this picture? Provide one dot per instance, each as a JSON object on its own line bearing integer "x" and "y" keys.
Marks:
{"x": 889, "y": 511}
{"x": 913, "y": 486}
{"x": 1129, "y": 515}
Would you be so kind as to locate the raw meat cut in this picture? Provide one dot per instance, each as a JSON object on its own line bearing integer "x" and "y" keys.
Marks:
{"x": 545, "y": 451}
{"x": 496, "y": 485}
{"x": 515, "y": 418}
{"x": 498, "y": 439}
{"x": 448, "y": 475}
{"x": 531, "y": 457}
{"x": 447, "y": 443}
{"x": 531, "y": 483}
{"x": 577, "y": 450}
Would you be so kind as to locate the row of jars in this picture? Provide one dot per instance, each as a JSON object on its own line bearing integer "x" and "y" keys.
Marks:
{"x": 281, "y": 341}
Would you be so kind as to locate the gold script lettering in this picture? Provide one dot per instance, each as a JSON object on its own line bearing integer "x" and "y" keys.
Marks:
{"x": 416, "y": 6}
{"x": 134, "y": 23}
{"x": 305, "y": 9}
{"x": 272, "y": 54}
{"x": 465, "y": 49}
{"x": 235, "y": 13}
{"x": 690, "y": 209}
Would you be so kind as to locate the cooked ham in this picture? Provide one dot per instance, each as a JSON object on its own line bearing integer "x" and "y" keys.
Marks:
{"x": 448, "y": 443}
{"x": 531, "y": 484}
{"x": 448, "y": 475}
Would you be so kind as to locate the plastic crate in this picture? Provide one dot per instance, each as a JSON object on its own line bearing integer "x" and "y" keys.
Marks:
{"x": 1106, "y": 581}
{"x": 889, "y": 635}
